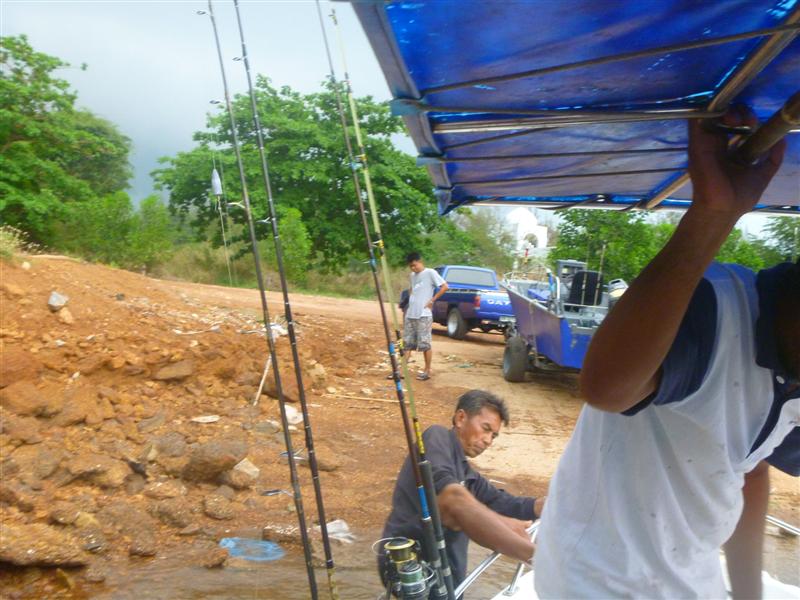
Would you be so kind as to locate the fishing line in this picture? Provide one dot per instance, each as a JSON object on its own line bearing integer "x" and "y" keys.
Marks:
{"x": 431, "y": 521}
{"x": 273, "y": 219}
{"x": 290, "y": 453}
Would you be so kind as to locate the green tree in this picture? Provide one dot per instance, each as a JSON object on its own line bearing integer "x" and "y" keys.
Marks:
{"x": 783, "y": 235}
{"x": 309, "y": 173}
{"x": 51, "y": 155}
{"x": 97, "y": 229}
{"x": 623, "y": 241}
{"x": 150, "y": 236}
{"x": 296, "y": 244}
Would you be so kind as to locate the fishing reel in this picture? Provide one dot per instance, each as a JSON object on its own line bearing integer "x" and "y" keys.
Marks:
{"x": 406, "y": 576}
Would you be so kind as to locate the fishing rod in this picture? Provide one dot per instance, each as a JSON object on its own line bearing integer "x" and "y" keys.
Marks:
{"x": 290, "y": 454}
{"x": 433, "y": 532}
{"x": 287, "y": 308}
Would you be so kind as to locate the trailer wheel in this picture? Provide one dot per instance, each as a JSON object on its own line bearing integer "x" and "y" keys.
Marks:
{"x": 515, "y": 359}
{"x": 456, "y": 325}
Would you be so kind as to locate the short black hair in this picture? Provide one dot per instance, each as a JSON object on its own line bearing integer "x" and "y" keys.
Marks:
{"x": 473, "y": 401}
{"x": 413, "y": 256}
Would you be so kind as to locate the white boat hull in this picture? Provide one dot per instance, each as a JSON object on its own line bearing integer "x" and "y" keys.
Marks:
{"x": 773, "y": 589}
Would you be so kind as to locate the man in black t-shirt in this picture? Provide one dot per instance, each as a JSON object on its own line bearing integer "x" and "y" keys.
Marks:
{"x": 471, "y": 507}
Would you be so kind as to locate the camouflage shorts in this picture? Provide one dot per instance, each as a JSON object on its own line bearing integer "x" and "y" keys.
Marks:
{"x": 417, "y": 333}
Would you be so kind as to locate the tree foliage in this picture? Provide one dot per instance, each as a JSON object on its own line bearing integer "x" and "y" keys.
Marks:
{"x": 624, "y": 242}
{"x": 51, "y": 154}
{"x": 631, "y": 241}
{"x": 113, "y": 232}
{"x": 784, "y": 236}
{"x": 309, "y": 173}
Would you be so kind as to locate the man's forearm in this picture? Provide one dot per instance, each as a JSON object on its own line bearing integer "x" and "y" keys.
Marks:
{"x": 744, "y": 549}
{"x": 628, "y": 349}
{"x": 461, "y": 511}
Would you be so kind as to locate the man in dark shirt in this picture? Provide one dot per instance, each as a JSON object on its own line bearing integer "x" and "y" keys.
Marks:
{"x": 471, "y": 507}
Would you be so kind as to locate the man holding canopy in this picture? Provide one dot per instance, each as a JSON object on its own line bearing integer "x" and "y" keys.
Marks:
{"x": 692, "y": 390}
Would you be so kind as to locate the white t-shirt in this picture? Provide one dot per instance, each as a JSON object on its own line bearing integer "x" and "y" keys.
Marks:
{"x": 640, "y": 505}
{"x": 423, "y": 286}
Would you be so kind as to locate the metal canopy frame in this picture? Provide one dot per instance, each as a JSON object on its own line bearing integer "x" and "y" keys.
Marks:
{"x": 425, "y": 120}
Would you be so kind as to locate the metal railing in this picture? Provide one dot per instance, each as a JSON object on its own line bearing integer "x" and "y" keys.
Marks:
{"x": 489, "y": 561}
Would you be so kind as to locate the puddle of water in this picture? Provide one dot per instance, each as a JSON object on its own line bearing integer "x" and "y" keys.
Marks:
{"x": 285, "y": 579}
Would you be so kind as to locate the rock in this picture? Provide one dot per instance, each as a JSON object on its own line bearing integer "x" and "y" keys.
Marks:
{"x": 39, "y": 461}
{"x": 57, "y": 301}
{"x": 248, "y": 468}
{"x": 25, "y": 399}
{"x": 86, "y": 520}
{"x": 280, "y": 534}
{"x": 143, "y": 544}
{"x": 16, "y": 495}
{"x": 18, "y": 365}
{"x": 159, "y": 490}
{"x": 65, "y": 316}
{"x": 103, "y": 471}
{"x": 242, "y": 476}
{"x": 316, "y": 374}
{"x": 151, "y": 424}
{"x": 12, "y": 289}
{"x": 92, "y": 538}
{"x": 192, "y": 529}
{"x": 173, "y": 466}
{"x": 214, "y": 557}
{"x": 218, "y": 507}
{"x": 175, "y": 371}
{"x": 293, "y": 415}
{"x": 21, "y": 429}
{"x": 63, "y": 513}
{"x": 171, "y": 444}
{"x": 96, "y": 573}
{"x": 269, "y": 426}
{"x": 208, "y": 461}
{"x": 288, "y": 385}
{"x": 26, "y": 266}
{"x": 134, "y": 484}
{"x": 39, "y": 544}
{"x": 328, "y": 459}
{"x": 133, "y": 523}
{"x": 226, "y": 492}
{"x": 80, "y": 405}
{"x": 92, "y": 363}
{"x": 175, "y": 512}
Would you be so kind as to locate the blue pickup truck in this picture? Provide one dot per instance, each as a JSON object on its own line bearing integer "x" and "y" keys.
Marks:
{"x": 474, "y": 300}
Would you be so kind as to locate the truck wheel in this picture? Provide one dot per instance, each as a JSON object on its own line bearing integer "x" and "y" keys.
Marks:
{"x": 515, "y": 359}
{"x": 456, "y": 325}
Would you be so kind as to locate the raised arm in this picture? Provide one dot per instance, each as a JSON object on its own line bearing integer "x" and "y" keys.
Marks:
{"x": 622, "y": 365}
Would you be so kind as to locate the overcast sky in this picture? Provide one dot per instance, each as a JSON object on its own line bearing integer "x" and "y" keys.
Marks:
{"x": 152, "y": 65}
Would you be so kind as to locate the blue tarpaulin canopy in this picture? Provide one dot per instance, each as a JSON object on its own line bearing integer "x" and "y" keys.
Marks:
{"x": 577, "y": 102}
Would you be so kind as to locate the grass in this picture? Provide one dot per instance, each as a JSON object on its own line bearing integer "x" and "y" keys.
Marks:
{"x": 13, "y": 242}
{"x": 199, "y": 263}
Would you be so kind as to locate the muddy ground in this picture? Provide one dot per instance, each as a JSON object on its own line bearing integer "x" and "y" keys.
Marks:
{"x": 105, "y": 472}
